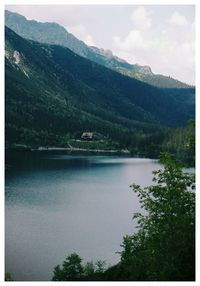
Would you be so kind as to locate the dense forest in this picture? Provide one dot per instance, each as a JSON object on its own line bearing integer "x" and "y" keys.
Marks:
{"x": 178, "y": 141}
{"x": 54, "y": 95}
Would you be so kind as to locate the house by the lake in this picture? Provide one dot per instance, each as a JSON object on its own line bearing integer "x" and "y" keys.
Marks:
{"x": 87, "y": 136}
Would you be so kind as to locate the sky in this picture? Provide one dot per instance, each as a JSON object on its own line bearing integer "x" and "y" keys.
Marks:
{"x": 160, "y": 36}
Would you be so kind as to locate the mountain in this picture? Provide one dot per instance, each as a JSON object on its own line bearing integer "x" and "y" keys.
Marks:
{"x": 52, "y": 33}
{"x": 52, "y": 93}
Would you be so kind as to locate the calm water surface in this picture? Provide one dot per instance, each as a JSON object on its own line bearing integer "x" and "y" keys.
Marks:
{"x": 59, "y": 204}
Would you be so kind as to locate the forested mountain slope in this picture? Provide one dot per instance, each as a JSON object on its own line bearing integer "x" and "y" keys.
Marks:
{"x": 51, "y": 92}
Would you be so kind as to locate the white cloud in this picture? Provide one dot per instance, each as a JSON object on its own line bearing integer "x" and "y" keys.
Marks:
{"x": 134, "y": 40}
{"x": 167, "y": 49}
{"x": 178, "y": 19}
{"x": 141, "y": 18}
{"x": 163, "y": 48}
{"x": 81, "y": 33}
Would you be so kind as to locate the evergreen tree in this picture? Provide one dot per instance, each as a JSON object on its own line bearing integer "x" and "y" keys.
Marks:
{"x": 71, "y": 270}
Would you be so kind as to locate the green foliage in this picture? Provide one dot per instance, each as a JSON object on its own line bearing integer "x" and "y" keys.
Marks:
{"x": 150, "y": 145}
{"x": 163, "y": 249}
{"x": 8, "y": 277}
{"x": 72, "y": 269}
{"x": 181, "y": 143}
{"x": 105, "y": 144}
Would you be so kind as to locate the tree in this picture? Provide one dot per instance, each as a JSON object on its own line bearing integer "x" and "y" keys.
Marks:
{"x": 8, "y": 277}
{"x": 71, "y": 270}
{"x": 181, "y": 143}
{"x": 164, "y": 246}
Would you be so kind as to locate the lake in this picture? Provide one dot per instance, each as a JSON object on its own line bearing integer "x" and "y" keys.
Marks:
{"x": 57, "y": 204}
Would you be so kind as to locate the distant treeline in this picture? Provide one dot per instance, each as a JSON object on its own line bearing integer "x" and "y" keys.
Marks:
{"x": 179, "y": 141}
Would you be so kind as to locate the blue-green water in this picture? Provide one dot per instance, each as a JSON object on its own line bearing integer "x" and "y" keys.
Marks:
{"x": 59, "y": 204}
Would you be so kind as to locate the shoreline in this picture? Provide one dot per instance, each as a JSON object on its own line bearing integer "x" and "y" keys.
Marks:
{"x": 73, "y": 149}
{"x": 68, "y": 149}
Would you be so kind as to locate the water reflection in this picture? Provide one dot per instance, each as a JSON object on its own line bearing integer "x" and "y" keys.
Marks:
{"x": 58, "y": 204}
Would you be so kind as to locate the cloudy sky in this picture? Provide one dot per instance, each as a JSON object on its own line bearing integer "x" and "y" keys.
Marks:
{"x": 160, "y": 36}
